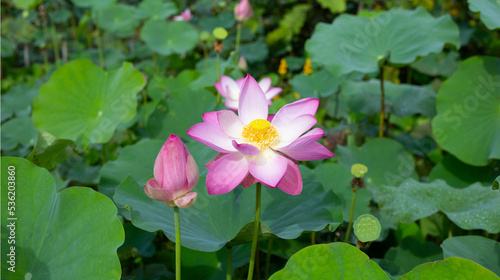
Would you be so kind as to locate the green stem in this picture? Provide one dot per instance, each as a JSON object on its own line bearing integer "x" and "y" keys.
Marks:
{"x": 155, "y": 63}
{"x": 268, "y": 258}
{"x": 177, "y": 244}
{"x": 238, "y": 36}
{"x": 313, "y": 238}
{"x": 99, "y": 47}
{"x": 228, "y": 263}
{"x": 382, "y": 104}
{"x": 350, "y": 216}
{"x": 351, "y": 140}
{"x": 218, "y": 76}
{"x": 255, "y": 233}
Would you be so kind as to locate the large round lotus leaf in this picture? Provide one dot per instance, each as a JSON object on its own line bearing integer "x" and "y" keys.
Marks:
{"x": 474, "y": 207}
{"x": 18, "y": 131}
{"x": 156, "y": 9}
{"x": 176, "y": 36}
{"x": 94, "y": 4}
{"x": 83, "y": 103}
{"x": 401, "y": 100}
{"x": 460, "y": 175}
{"x": 318, "y": 84}
{"x": 483, "y": 251}
{"x": 489, "y": 9}
{"x": 387, "y": 161}
{"x": 338, "y": 178}
{"x": 72, "y": 234}
{"x": 468, "y": 107}
{"x": 330, "y": 261}
{"x": 450, "y": 269}
{"x": 119, "y": 19}
{"x": 353, "y": 43}
{"x": 215, "y": 220}
{"x": 145, "y": 152}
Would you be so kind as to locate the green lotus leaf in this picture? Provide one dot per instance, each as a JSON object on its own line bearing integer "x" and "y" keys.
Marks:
{"x": 353, "y": 43}
{"x": 483, "y": 251}
{"x": 468, "y": 111}
{"x": 402, "y": 100}
{"x": 318, "y": 84}
{"x": 338, "y": 178}
{"x": 223, "y": 19}
{"x": 119, "y": 19}
{"x": 412, "y": 252}
{"x": 94, "y": 4}
{"x": 474, "y": 207}
{"x": 50, "y": 151}
{"x": 18, "y": 30}
{"x": 72, "y": 234}
{"x": 255, "y": 51}
{"x": 450, "y": 269}
{"x": 215, "y": 220}
{"x": 489, "y": 9}
{"x": 436, "y": 64}
{"x": 26, "y": 4}
{"x": 330, "y": 261}
{"x": 156, "y": 9}
{"x": 18, "y": 131}
{"x": 397, "y": 165}
{"x": 176, "y": 36}
{"x": 460, "y": 175}
{"x": 333, "y": 6}
{"x": 139, "y": 239}
{"x": 164, "y": 122}
{"x": 83, "y": 103}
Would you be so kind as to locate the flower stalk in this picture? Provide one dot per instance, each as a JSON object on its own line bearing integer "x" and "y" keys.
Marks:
{"x": 382, "y": 103}
{"x": 177, "y": 244}
{"x": 229, "y": 273}
{"x": 255, "y": 232}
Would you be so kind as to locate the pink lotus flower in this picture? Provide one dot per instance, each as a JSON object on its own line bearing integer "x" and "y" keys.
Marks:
{"x": 230, "y": 90}
{"x": 175, "y": 175}
{"x": 257, "y": 147}
{"x": 243, "y": 10}
{"x": 185, "y": 15}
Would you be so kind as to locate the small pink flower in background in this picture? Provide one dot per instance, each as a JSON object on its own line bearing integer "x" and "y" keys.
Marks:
{"x": 185, "y": 15}
{"x": 257, "y": 147}
{"x": 243, "y": 10}
{"x": 175, "y": 175}
{"x": 230, "y": 90}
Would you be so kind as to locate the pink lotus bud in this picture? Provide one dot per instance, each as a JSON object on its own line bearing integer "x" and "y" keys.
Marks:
{"x": 242, "y": 64}
{"x": 243, "y": 10}
{"x": 185, "y": 15}
{"x": 175, "y": 175}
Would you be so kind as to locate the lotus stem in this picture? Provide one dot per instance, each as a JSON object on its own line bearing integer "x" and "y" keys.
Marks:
{"x": 177, "y": 244}
{"x": 348, "y": 233}
{"x": 255, "y": 233}
{"x": 268, "y": 259}
{"x": 228, "y": 262}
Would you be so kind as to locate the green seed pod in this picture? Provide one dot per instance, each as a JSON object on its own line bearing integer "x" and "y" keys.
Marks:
{"x": 359, "y": 170}
{"x": 367, "y": 228}
{"x": 220, "y": 33}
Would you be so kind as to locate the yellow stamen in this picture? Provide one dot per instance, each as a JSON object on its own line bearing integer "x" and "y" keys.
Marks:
{"x": 260, "y": 133}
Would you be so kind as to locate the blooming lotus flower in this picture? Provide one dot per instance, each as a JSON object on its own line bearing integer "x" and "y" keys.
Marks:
{"x": 185, "y": 15}
{"x": 243, "y": 10}
{"x": 175, "y": 175}
{"x": 257, "y": 147}
{"x": 230, "y": 90}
